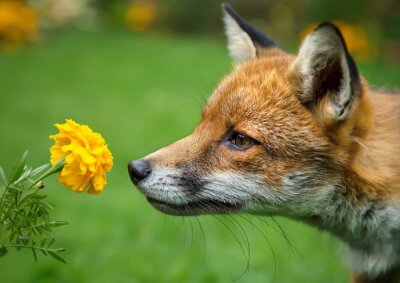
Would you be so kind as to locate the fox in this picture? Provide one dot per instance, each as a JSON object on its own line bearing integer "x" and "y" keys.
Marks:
{"x": 301, "y": 136}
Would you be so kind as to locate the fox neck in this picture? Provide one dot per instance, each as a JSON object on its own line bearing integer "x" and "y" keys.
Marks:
{"x": 370, "y": 227}
{"x": 356, "y": 219}
{"x": 360, "y": 203}
{"x": 363, "y": 200}
{"x": 363, "y": 207}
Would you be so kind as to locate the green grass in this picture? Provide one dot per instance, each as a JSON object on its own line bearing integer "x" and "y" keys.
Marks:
{"x": 141, "y": 93}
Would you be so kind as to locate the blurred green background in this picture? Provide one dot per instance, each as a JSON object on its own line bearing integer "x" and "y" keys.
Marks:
{"x": 138, "y": 72}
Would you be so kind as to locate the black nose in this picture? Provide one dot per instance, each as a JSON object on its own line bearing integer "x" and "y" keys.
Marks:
{"x": 138, "y": 170}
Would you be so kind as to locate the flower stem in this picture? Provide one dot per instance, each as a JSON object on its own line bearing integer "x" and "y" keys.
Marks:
{"x": 54, "y": 169}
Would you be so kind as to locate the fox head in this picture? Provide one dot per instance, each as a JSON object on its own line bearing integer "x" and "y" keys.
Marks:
{"x": 276, "y": 136}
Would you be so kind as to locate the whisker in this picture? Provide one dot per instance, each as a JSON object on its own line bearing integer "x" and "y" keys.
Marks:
{"x": 246, "y": 239}
{"x": 208, "y": 223}
{"x": 204, "y": 239}
{"x": 184, "y": 221}
{"x": 191, "y": 229}
{"x": 266, "y": 239}
{"x": 238, "y": 241}
{"x": 291, "y": 246}
{"x": 204, "y": 202}
{"x": 191, "y": 234}
{"x": 163, "y": 225}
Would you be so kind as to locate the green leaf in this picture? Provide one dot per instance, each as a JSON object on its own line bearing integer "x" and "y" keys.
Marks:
{"x": 26, "y": 172}
{"x": 25, "y": 212}
{"x": 58, "y": 250}
{"x": 57, "y": 223}
{"x": 22, "y": 237}
{"x": 57, "y": 257}
{"x": 39, "y": 196}
{"x": 34, "y": 254}
{"x": 18, "y": 168}
{"x": 52, "y": 240}
{"x": 46, "y": 205}
{"x": 3, "y": 178}
{"x": 27, "y": 194}
{"x": 3, "y": 250}
{"x": 14, "y": 188}
{"x": 40, "y": 169}
{"x": 43, "y": 243}
{"x": 54, "y": 169}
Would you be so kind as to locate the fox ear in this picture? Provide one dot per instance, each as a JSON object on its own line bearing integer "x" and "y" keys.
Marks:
{"x": 330, "y": 79}
{"x": 245, "y": 42}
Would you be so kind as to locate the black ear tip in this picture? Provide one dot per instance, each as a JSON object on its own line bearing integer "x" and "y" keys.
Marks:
{"x": 226, "y": 6}
{"x": 256, "y": 36}
{"x": 230, "y": 10}
{"x": 327, "y": 24}
{"x": 332, "y": 26}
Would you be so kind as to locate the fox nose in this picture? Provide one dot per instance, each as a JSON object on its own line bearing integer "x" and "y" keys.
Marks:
{"x": 138, "y": 170}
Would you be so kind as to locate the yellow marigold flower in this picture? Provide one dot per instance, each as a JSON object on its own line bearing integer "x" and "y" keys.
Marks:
{"x": 356, "y": 38}
{"x": 19, "y": 22}
{"x": 140, "y": 15}
{"x": 86, "y": 157}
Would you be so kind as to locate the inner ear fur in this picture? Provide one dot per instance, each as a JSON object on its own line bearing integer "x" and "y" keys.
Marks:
{"x": 245, "y": 42}
{"x": 330, "y": 82}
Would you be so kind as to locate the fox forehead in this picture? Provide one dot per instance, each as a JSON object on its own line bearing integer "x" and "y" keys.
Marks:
{"x": 259, "y": 99}
{"x": 261, "y": 82}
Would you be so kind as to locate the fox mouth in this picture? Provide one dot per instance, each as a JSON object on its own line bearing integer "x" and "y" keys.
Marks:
{"x": 205, "y": 206}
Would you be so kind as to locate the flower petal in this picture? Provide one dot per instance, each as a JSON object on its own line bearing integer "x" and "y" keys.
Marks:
{"x": 87, "y": 157}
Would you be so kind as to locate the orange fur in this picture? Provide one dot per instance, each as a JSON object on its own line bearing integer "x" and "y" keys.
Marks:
{"x": 344, "y": 156}
{"x": 254, "y": 99}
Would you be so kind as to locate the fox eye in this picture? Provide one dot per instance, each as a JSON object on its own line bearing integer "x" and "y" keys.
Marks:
{"x": 240, "y": 141}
